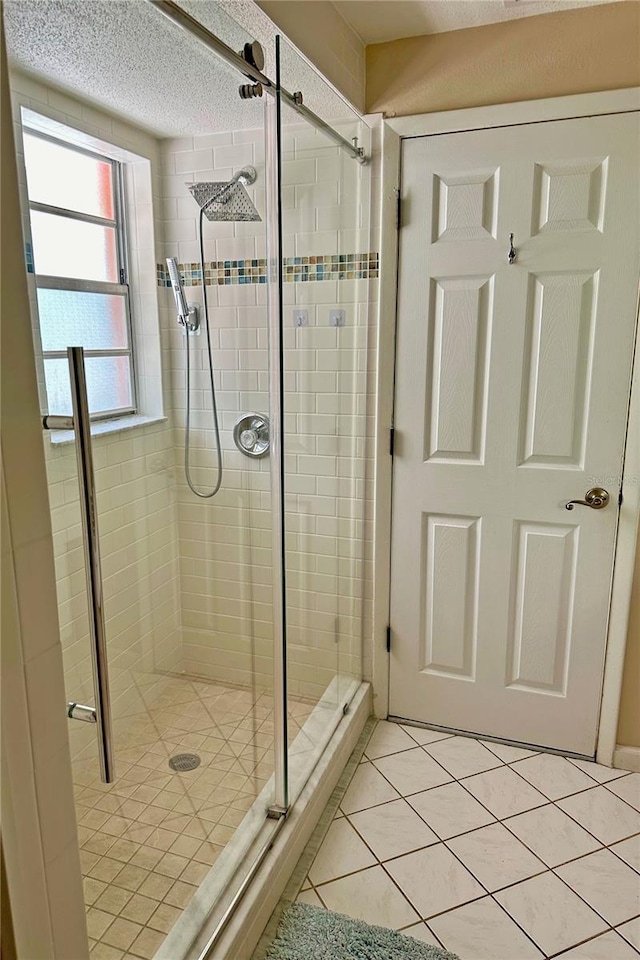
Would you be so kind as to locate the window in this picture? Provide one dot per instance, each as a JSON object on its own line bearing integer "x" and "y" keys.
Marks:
{"x": 77, "y": 231}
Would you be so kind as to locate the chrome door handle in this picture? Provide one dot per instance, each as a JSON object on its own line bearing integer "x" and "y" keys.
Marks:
{"x": 81, "y": 424}
{"x": 597, "y": 498}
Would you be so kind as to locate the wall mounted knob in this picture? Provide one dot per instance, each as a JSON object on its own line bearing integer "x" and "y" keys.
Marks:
{"x": 251, "y": 435}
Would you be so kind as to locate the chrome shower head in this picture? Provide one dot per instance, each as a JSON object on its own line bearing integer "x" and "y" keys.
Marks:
{"x": 226, "y": 201}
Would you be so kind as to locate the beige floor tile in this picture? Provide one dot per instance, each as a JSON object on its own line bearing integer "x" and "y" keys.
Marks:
{"x": 421, "y": 932}
{"x": 387, "y": 738}
{"x": 102, "y": 951}
{"x": 450, "y": 810}
{"x": 309, "y": 896}
{"x": 195, "y": 872}
{"x": 553, "y": 776}
{"x": 608, "y": 885}
{"x": 629, "y": 850}
{"x": 148, "y": 829}
{"x": 171, "y": 865}
{"x": 631, "y": 932}
{"x": 184, "y": 846}
{"x": 412, "y": 771}
{"x": 608, "y": 946}
{"x": 506, "y": 752}
{"x": 603, "y": 814}
{"x": 146, "y": 857}
{"x": 367, "y": 789}
{"x": 131, "y": 876}
{"x": 550, "y": 913}
{"x": 342, "y": 852}
{"x": 113, "y": 899}
{"x": 495, "y": 857}
{"x": 139, "y": 908}
{"x": 421, "y": 735}
{"x": 370, "y": 896}
{"x": 146, "y": 943}
{"x": 483, "y": 931}
{"x": 503, "y": 792}
{"x": 122, "y": 933}
{"x": 628, "y": 788}
{"x": 392, "y": 829}
{"x": 106, "y": 869}
{"x": 463, "y": 756}
{"x": 98, "y": 922}
{"x": 123, "y": 850}
{"x": 100, "y": 843}
{"x": 164, "y": 917}
{"x": 552, "y": 835}
{"x": 433, "y": 880}
{"x": 93, "y": 889}
{"x": 597, "y": 771}
{"x": 180, "y": 894}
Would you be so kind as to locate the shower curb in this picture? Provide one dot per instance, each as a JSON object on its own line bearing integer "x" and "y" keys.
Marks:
{"x": 242, "y": 935}
{"x": 314, "y": 843}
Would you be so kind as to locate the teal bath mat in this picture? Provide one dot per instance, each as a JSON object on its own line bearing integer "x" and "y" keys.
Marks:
{"x": 311, "y": 933}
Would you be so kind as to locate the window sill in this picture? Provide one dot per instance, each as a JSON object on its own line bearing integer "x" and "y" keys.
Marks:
{"x": 102, "y": 428}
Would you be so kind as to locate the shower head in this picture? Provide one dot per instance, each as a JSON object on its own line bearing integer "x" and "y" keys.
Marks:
{"x": 226, "y": 201}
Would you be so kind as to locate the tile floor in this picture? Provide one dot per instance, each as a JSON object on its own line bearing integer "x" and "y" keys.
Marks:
{"x": 148, "y": 840}
{"x": 493, "y": 852}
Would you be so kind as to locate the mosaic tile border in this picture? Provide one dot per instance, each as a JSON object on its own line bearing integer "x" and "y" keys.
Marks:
{"x": 28, "y": 252}
{"x": 348, "y": 266}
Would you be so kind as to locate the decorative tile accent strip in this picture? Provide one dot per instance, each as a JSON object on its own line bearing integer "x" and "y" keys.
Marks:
{"x": 347, "y": 266}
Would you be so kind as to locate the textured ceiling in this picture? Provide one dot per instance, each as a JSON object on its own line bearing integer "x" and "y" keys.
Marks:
{"x": 379, "y": 20}
{"x": 126, "y": 57}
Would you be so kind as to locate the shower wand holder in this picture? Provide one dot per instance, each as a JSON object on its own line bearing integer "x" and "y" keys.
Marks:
{"x": 192, "y": 323}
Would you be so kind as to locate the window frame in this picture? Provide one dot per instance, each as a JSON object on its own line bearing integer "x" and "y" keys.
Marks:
{"x": 121, "y": 288}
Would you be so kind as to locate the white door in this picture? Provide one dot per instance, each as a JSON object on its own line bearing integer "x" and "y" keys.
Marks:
{"x": 512, "y": 387}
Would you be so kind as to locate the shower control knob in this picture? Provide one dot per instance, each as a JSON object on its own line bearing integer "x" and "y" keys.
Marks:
{"x": 248, "y": 439}
{"x": 251, "y": 435}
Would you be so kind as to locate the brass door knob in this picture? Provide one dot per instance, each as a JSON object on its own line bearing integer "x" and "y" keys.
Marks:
{"x": 597, "y": 498}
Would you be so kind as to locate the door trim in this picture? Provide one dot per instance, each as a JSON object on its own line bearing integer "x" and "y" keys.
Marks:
{"x": 478, "y": 118}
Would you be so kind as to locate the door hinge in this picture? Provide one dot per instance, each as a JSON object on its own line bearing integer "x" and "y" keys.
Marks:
{"x": 392, "y": 440}
{"x": 620, "y": 497}
{"x": 389, "y": 639}
{"x": 398, "y": 210}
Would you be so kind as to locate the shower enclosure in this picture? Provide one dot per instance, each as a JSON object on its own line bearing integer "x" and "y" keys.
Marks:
{"x": 231, "y": 522}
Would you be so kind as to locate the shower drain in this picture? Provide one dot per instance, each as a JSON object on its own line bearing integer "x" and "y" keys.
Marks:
{"x": 184, "y": 761}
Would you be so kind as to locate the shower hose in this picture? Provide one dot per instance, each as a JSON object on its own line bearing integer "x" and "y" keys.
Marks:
{"x": 203, "y": 494}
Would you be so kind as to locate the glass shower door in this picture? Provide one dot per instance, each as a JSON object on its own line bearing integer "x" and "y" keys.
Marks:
{"x": 186, "y": 580}
{"x": 326, "y": 271}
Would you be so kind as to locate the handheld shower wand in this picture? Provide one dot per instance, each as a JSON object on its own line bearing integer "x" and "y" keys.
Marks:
{"x": 178, "y": 290}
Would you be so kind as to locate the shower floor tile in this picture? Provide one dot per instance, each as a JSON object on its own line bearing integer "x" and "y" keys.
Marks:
{"x": 148, "y": 840}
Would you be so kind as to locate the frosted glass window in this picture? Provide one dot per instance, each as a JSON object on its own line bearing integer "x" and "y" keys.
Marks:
{"x": 62, "y": 177}
{"x": 96, "y": 321}
{"x": 108, "y": 384}
{"x": 63, "y": 247}
{"x": 79, "y": 256}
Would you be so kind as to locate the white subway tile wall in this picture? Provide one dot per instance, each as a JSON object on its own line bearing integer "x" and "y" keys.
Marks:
{"x": 225, "y": 543}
